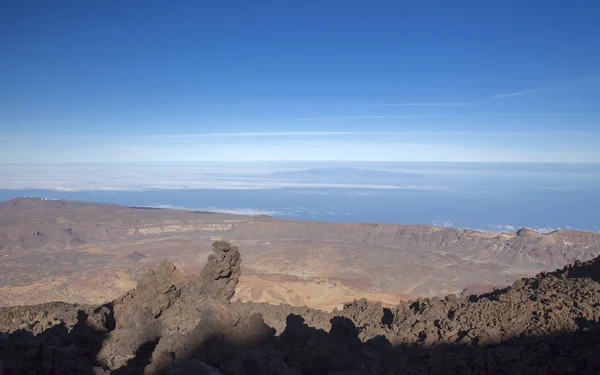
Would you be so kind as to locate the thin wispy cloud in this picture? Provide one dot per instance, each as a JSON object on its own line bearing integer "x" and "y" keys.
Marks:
{"x": 408, "y": 104}
{"x": 353, "y": 133}
{"x": 280, "y": 134}
{"x": 326, "y": 105}
{"x": 309, "y": 134}
{"x": 222, "y": 135}
{"x": 540, "y": 115}
{"x": 518, "y": 93}
{"x": 383, "y": 117}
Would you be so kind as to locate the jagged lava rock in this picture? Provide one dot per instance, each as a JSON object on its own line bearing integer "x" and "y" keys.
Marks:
{"x": 187, "y": 325}
{"x": 222, "y": 271}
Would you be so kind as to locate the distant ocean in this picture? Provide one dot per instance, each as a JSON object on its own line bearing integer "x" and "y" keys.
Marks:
{"x": 483, "y": 196}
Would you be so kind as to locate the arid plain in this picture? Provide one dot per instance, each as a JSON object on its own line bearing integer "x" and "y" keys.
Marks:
{"x": 53, "y": 250}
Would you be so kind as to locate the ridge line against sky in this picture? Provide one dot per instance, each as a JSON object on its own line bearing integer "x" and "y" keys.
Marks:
{"x": 442, "y": 81}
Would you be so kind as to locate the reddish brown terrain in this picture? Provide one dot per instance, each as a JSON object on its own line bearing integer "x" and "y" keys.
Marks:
{"x": 53, "y": 250}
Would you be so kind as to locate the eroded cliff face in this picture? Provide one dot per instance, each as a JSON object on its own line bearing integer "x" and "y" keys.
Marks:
{"x": 525, "y": 248}
{"x": 172, "y": 324}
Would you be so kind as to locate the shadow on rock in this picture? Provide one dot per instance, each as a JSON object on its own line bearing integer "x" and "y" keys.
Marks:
{"x": 176, "y": 325}
{"x": 301, "y": 349}
{"x": 63, "y": 347}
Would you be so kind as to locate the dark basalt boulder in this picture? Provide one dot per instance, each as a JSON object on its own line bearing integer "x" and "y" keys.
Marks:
{"x": 222, "y": 271}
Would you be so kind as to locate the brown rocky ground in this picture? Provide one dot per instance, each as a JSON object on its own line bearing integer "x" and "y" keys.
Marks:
{"x": 173, "y": 324}
{"x": 92, "y": 253}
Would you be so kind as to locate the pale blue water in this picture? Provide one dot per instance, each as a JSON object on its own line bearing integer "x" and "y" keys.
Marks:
{"x": 484, "y": 196}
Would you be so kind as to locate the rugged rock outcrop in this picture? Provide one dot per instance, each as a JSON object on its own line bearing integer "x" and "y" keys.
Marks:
{"x": 171, "y": 315}
{"x": 222, "y": 271}
{"x": 176, "y": 325}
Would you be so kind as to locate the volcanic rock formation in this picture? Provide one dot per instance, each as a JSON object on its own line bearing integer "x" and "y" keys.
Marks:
{"x": 171, "y": 324}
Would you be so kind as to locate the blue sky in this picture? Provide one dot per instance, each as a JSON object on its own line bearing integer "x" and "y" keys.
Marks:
{"x": 103, "y": 81}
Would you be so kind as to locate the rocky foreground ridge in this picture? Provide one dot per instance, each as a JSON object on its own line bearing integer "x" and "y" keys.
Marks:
{"x": 172, "y": 324}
